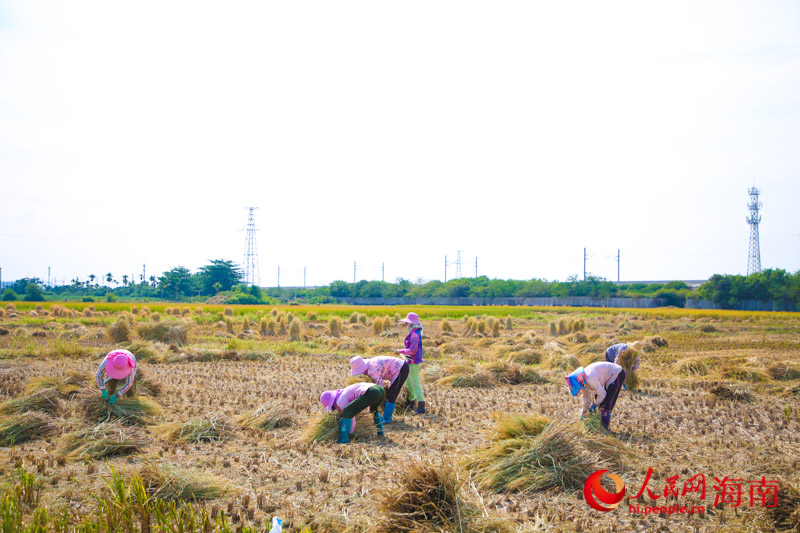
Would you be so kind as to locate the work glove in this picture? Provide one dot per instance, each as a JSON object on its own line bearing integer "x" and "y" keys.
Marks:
{"x": 113, "y": 399}
{"x": 105, "y": 394}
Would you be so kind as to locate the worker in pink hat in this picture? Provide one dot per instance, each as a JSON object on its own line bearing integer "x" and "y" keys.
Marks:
{"x": 350, "y": 401}
{"x": 118, "y": 367}
{"x": 381, "y": 368}
{"x": 413, "y": 353}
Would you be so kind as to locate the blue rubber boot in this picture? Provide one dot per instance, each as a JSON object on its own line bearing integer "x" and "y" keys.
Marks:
{"x": 388, "y": 411}
{"x": 376, "y": 417}
{"x": 344, "y": 430}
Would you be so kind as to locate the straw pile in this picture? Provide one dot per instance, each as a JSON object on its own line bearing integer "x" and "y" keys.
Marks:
{"x": 103, "y": 441}
{"x": 324, "y": 427}
{"x": 24, "y": 427}
{"x": 266, "y": 417}
{"x": 195, "y": 431}
{"x": 427, "y": 497}
{"x": 786, "y": 514}
{"x": 626, "y": 360}
{"x": 529, "y": 462}
{"x": 171, "y": 482}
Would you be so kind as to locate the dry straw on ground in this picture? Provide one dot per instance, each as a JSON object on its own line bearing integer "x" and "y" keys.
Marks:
{"x": 324, "y": 427}
{"x": 173, "y": 482}
{"x": 266, "y": 417}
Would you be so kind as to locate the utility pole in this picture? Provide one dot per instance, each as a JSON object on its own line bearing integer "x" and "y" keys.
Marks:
{"x": 304, "y": 277}
{"x": 584, "y": 263}
{"x": 354, "y": 272}
{"x": 476, "y": 266}
{"x": 458, "y": 265}
{"x": 445, "y": 269}
{"x": 279, "y": 276}
{"x": 144, "y": 274}
{"x": 1, "y": 278}
{"x": 48, "y": 276}
{"x": 617, "y": 266}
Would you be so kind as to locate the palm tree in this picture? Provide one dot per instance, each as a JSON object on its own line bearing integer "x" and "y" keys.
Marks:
{"x": 124, "y": 280}
{"x": 91, "y": 278}
{"x": 109, "y": 278}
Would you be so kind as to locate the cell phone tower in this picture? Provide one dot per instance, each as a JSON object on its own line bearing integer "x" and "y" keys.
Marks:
{"x": 754, "y": 254}
{"x": 251, "y": 271}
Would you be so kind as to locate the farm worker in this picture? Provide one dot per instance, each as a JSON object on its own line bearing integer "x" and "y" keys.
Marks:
{"x": 613, "y": 352}
{"x": 380, "y": 368}
{"x": 350, "y": 401}
{"x": 413, "y": 353}
{"x": 117, "y": 366}
{"x": 600, "y": 384}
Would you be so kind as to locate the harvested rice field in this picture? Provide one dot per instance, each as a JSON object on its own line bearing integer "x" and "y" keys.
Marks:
{"x": 226, "y": 431}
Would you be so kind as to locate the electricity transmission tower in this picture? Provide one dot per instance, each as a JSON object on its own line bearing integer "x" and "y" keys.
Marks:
{"x": 251, "y": 271}
{"x": 754, "y": 254}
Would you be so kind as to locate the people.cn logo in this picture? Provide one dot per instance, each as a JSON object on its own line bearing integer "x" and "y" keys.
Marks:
{"x": 594, "y": 491}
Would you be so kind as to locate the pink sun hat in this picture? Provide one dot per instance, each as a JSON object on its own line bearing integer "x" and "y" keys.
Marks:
{"x": 411, "y": 318}
{"x": 357, "y": 365}
{"x": 119, "y": 364}
{"x": 327, "y": 399}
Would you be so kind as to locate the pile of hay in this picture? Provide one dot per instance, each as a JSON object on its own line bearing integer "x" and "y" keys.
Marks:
{"x": 324, "y": 427}
{"x": 173, "y": 332}
{"x": 195, "y": 431}
{"x": 24, "y": 427}
{"x": 467, "y": 375}
{"x": 783, "y": 371}
{"x": 786, "y": 514}
{"x": 100, "y": 442}
{"x": 171, "y": 482}
{"x": 557, "y": 359}
{"x": 525, "y": 357}
{"x": 427, "y": 497}
{"x": 512, "y": 426}
{"x": 514, "y": 374}
{"x": 626, "y": 360}
{"x": 266, "y": 417}
{"x": 724, "y": 392}
{"x": 47, "y": 400}
{"x": 137, "y": 410}
{"x": 560, "y": 454}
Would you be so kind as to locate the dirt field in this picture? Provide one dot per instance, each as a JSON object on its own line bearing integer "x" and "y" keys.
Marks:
{"x": 719, "y": 395}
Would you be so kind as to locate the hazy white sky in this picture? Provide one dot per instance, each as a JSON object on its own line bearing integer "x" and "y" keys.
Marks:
{"x": 519, "y": 132}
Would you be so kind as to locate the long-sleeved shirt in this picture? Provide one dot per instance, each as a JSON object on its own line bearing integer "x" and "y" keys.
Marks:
{"x": 613, "y": 352}
{"x": 413, "y": 347}
{"x": 383, "y": 367}
{"x": 350, "y": 393}
{"x": 598, "y": 376}
{"x": 102, "y": 378}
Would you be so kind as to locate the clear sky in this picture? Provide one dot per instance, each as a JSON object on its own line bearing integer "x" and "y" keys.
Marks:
{"x": 397, "y": 133}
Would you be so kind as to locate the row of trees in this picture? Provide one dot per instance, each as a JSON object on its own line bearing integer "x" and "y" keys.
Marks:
{"x": 225, "y": 277}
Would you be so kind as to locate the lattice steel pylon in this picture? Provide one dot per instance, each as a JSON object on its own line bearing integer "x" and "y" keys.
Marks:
{"x": 754, "y": 254}
{"x": 252, "y": 275}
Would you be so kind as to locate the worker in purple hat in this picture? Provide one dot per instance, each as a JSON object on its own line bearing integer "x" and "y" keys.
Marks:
{"x": 350, "y": 401}
{"x": 117, "y": 372}
{"x": 600, "y": 384}
{"x": 413, "y": 353}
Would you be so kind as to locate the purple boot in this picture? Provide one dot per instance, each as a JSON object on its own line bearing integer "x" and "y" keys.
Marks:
{"x": 605, "y": 417}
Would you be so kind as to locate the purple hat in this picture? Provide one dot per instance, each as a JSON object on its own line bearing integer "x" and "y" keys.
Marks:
{"x": 357, "y": 365}
{"x": 575, "y": 380}
{"x": 327, "y": 399}
{"x": 119, "y": 364}
{"x": 411, "y": 318}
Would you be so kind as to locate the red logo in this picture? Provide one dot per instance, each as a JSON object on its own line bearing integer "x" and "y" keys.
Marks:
{"x": 593, "y": 489}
